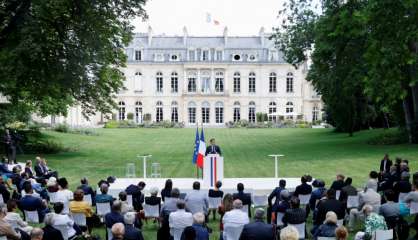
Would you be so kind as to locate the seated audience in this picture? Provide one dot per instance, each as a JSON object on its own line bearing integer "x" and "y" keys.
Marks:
{"x": 341, "y": 233}
{"x": 42, "y": 170}
{"x": 304, "y": 188}
{"x": 347, "y": 190}
{"x": 236, "y": 217}
{"x": 37, "y": 234}
{"x": 390, "y": 210}
{"x": 28, "y": 169}
{"x": 226, "y": 206}
{"x": 4, "y": 192}
{"x": 5, "y": 228}
{"x": 275, "y": 194}
{"x": 327, "y": 229}
{"x": 244, "y": 197}
{"x": 115, "y": 215}
{"x": 62, "y": 219}
{"x": 368, "y": 197}
{"x": 64, "y": 195}
{"x": 317, "y": 194}
{"x": 118, "y": 231}
{"x": 87, "y": 189}
{"x": 169, "y": 206}
{"x": 131, "y": 233}
{"x": 52, "y": 185}
{"x": 125, "y": 206}
{"x": 30, "y": 202}
{"x": 137, "y": 195}
{"x": 166, "y": 191}
{"x": 14, "y": 218}
{"x": 215, "y": 193}
{"x": 258, "y": 230}
{"x": 330, "y": 204}
{"x": 338, "y": 184}
{"x": 403, "y": 186}
{"x": 197, "y": 200}
{"x": 373, "y": 180}
{"x": 189, "y": 233}
{"x": 153, "y": 199}
{"x": 180, "y": 219}
{"x": 372, "y": 223}
{"x": 201, "y": 230}
{"x": 78, "y": 205}
{"x": 289, "y": 233}
{"x": 104, "y": 197}
{"x": 295, "y": 214}
{"x": 283, "y": 205}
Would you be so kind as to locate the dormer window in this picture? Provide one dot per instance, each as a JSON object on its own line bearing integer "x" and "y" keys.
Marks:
{"x": 174, "y": 57}
{"x": 219, "y": 55}
{"x": 138, "y": 55}
{"x": 236, "y": 57}
{"x": 159, "y": 57}
{"x": 272, "y": 55}
{"x": 252, "y": 58}
{"x": 205, "y": 55}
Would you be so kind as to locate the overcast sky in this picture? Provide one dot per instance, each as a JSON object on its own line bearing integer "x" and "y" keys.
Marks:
{"x": 242, "y": 17}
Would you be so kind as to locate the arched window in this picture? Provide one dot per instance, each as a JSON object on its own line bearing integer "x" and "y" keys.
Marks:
{"x": 237, "y": 82}
{"x": 237, "y": 111}
{"x": 122, "y": 109}
{"x": 191, "y": 81}
{"x": 174, "y": 82}
{"x": 251, "y": 82}
{"x": 315, "y": 113}
{"x": 174, "y": 112}
{"x": 159, "y": 82}
{"x": 219, "y": 112}
{"x": 205, "y": 81}
{"x": 272, "y": 112}
{"x": 251, "y": 112}
{"x": 159, "y": 112}
{"x": 205, "y": 112}
{"x": 138, "y": 112}
{"x": 289, "y": 110}
{"x": 219, "y": 82}
{"x": 138, "y": 81}
{"x": 273, "y": 82}
{"x": 191, "y": 109}
{"x": 289, "y": 82}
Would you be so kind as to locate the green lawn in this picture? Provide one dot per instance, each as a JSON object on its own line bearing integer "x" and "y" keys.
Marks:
{"x": 319, "y": 152}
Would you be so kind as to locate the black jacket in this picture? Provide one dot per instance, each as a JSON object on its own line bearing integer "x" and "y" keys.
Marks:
{"x": 213, "y": 150}
{"x": 131, "y": 233}
{"x": 385, "y": 167}
{"x": 245, "y": 199}
{"x": 51, "y": 233}
{"x": 258, "y": 230}
{"x": 294, "y": 216}
{"x": 137, "y": 196}
{"x": 327, "y": 205}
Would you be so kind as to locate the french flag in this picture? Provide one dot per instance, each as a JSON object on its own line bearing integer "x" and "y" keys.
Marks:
{"x": 202, "y": 150}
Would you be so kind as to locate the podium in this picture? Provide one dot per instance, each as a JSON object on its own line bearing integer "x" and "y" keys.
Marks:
{"x": 213, "y": 169}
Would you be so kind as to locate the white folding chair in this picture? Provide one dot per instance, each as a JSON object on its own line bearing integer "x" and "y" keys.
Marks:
{"x": 87, "y": 198}
{"x": 413, "y": 208}
{"x": 32, "y": 216}
{"x": 166, "y": 199}
{"x": 129, "y": 199}
{"x": 109, "y": 233}
{"x": 326, "y": 238}
{"x": 279, "y": 219}
{"x": 383, "y": 234}
{"x": 260, "y": 200}
{"x": 352, "y": 201}
{"x": 52, "y": 197}
{"x": 103, "y": 208}
{"x": 176, "y": 233}
{"x": 304, "y": 199}
{"x": 63, "y": 229}
{"x": 340, "y": 222}
{"x": 151, "y": 211}
{"x": 214, "y": 203}
{"x": 1, "y": 199}
{"x": 337, "y": 194}
{"x": 232, "y": 232}
{"x": 3, "y": 238}
{"x": 402, "y": 196}
{"x": 300, "y": 228}
{"x": 79, "y": 219}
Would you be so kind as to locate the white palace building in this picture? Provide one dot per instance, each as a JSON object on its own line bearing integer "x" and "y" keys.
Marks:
{"x": 210, "y": 80}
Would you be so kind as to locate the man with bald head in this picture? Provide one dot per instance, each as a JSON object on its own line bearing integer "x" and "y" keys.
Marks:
{"x": 236, "y": 217}
{"x": 258, "y": 230}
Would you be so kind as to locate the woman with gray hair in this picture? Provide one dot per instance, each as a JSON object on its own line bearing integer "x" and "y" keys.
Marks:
{"x": 131, "y": 233}
{"x": 289, "y": 233}
{"x": 5, "y": 228}
{"x": 201, "y": 230}
{"x": 153, "y": 200}
{"x": 327, "y": 229}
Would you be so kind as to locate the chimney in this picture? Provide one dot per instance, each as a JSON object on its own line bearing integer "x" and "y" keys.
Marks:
{"x": 149, "y": 35}
{"x": 261, "y": 33}
{"x": 225, "y": 35}
{"x": 185, "y": 36}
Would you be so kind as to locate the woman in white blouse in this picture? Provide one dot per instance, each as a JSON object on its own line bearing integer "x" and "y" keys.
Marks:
{"x": 14, "y": 219}
{"x": 61, "y": 220}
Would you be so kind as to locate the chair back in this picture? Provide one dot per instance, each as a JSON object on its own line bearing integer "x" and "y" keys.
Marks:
{"x": 304, "y": 199}
{"x": 279, "y": 219}
{"x": 352, "y": 201}
{"x": 63, "y": 229}
{"x": 129, "y": 200}
{"x": 31, "y": 216}
{"x": 413, "y": 207}
{"x": 244, "y": 208}
{"x": 340, "y": 222}
{"x": 79, "y": 219}
{"x": 402, "y": 197}
{"x": 109, "y": 233}
{"x": 383, "y": 234}
{"x": 260, "y": 200}
{"x": 176, "y": 233}
{"x": 151, "y": 210}
{"x": 232, "y": 232}
{"x": 52, "y": 197}
{"x": 3, "y": 238}
{"x": 214, "y": 202}
{"x": 300, "y": 228}
{"x": 326, "y": 238}
{"x": 87, "y": 198}
{"x": 337, "y": 194}
{"x": 103, "y": 208}
{"x": 130, "y": 170}
{"x": 166, "y": 199}
{"x": 1, "y": 199}
{"x": 155, "y": 170}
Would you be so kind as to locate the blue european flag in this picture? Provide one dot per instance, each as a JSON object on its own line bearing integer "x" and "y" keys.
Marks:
{"x": 196, "y": 146}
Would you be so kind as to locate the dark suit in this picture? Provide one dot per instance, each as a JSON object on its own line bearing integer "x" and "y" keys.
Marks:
{"x": 50, "y": 233}
{"x": 245, "y": 199}
{"x": 4, "y": 193}
{"x": 31, "y": 203}
{"x": 137, "y": 196}
{"x": 258, "y": 230}
{"x": 385, "y": 166}
{"x": 294, "y": 216}
{"x": 10, "y": 147}
{"x": 131, "y": 233}
{"x": 215, "y": 149}
{"x": 29, "y": 172}
{"x": 327, "y": 205}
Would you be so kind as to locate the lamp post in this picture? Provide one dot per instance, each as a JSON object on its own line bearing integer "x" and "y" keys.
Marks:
{"x": 276, "y": 163}
{"x": 144, "y": 159}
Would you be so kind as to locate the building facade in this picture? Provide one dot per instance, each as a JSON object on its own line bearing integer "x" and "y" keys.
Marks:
{"x": 210, "y": 80}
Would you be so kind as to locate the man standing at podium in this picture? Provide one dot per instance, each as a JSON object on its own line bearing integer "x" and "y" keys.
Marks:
{"x": 213, "y": 148}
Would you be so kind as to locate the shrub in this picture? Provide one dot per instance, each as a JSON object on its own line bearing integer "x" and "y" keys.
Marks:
{"x": 62, "y": 127}
{"x": 111, "y": 124}
{"x": 130, "y": 116}
{"x": 147, "y": 117}
{"x": 126, "y": 124}
{"x": 389, "y": 138}
{"x": 16, "y": 125}
{"x": 259, "y": 116}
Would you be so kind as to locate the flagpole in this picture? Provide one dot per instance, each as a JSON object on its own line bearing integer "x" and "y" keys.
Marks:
{"x": 197, "y": 168}
{"x": 203, "y": 155}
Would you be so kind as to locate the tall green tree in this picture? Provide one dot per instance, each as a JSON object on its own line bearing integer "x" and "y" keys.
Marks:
{"x": 57, "y": 53}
